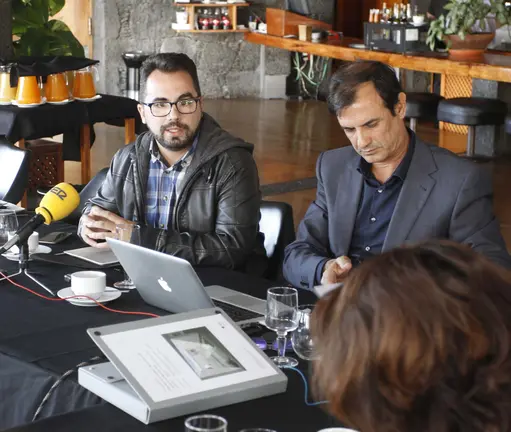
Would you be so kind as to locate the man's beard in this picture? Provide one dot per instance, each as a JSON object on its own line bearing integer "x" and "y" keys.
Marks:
{"x": 176, "y": 143}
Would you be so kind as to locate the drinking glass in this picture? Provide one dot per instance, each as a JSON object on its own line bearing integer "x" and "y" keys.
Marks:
{"x": 7, "y": 93}
{"x": 8, "y": 225}
{"x": 56, "y": 88}
{"x": 129, "y": 233}
{"x": 282, "y": 317}
{"x": 83, "y": 84}
{"x": 205, "y": 423}
{"x": 301, "y": 338}
{"x": 28, "y": 91}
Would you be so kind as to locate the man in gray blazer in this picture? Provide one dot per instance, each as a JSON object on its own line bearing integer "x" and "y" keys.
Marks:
{"x": 388, "y": 188}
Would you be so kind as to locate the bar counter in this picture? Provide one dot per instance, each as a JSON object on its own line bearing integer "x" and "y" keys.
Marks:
{"x": 492, "y": 67}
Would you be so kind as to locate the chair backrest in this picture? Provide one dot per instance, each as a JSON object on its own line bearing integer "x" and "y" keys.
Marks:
{"x": 278, "y": 228}
{"x": 14, "y": 168}
{"x": 89, "y": 191}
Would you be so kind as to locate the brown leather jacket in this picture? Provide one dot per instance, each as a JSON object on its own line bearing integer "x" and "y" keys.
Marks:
{"x": 215, "y": 220}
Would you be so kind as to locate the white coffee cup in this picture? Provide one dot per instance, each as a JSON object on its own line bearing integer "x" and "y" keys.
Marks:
{"x": 89, "y": 283}
{"x": 33, "y": 242}
{"x": 418, "y": 20}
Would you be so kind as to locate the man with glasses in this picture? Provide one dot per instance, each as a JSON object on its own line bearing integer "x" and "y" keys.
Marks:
{"x": 192, "y": 187}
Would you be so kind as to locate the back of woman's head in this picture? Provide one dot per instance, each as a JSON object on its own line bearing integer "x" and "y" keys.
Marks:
{"x": 418, "y": 339}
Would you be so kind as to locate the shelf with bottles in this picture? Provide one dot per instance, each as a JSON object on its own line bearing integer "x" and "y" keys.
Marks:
{"x": 399, "y": 13}
{"x": 208, "y": 17}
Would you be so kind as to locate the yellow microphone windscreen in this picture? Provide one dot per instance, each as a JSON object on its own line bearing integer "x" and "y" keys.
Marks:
{"x": 58, "y": 203}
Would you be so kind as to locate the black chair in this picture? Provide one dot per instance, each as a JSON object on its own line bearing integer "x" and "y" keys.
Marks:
{"x": 14, "y": 170}
{"x": 89, "y": 191}
{"x": 472, "y": 112}
{"x": 422, "y": 106}
{"x": 278, "y": 228}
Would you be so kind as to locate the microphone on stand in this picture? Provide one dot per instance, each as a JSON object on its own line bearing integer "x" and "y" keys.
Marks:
{"x": 56, "y": 204}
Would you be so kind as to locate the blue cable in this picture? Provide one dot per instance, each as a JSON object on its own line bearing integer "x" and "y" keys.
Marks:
{"x": 306, "y": 387}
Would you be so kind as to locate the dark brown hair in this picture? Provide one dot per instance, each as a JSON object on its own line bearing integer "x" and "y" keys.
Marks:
{"x": 418, "y": 340}
{"x": 169, "y": 62}
{"x": 349, "y": 77}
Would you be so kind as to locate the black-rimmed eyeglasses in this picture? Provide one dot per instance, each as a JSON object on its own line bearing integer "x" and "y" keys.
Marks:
{"x": 162, "y": 109}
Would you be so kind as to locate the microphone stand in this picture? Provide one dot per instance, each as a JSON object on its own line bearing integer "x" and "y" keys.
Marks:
{"x": 23, "y": 266}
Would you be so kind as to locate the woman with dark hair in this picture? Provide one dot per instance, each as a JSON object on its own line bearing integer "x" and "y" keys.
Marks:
{"x": 418, "y": 340}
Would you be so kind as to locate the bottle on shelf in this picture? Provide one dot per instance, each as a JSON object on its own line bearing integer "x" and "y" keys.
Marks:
{"x": 226, "y": 21}
{"x": 205, "y": 21}
{"x": 216, "y": 21}
{"x": 383, "y": 13}
{"x": 403, "y": 14}
{"x": 409, "y": 16}
{"x": 390, "y": 15}
{"x": 395, "y": 14}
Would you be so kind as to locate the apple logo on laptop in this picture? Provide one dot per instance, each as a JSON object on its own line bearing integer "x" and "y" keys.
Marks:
{"x": 164, "y": 285}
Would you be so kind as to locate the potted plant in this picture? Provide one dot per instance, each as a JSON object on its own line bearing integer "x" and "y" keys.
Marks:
{"x": 36, "y": 34}
{"x": 465, "y": 27}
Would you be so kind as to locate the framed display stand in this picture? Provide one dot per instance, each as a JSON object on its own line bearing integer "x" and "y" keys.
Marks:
{"x": 180, "y": 364}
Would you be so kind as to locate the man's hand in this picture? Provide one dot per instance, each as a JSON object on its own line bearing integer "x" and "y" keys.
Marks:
{"x": 336, "y": 270}
{"x": 100, "y": 224}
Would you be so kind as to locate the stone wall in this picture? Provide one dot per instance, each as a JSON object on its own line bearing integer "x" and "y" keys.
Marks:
{"x": 227, "y": 66}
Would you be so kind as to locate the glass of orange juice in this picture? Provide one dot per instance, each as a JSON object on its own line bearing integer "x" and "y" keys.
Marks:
{"x": 83, "y": 86}
{"x": 28, "y": 91}
{"x": 7, "y": 93}
{"x": 56, "y": 88}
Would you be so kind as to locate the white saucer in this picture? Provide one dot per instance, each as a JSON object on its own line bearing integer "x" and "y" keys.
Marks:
{"x": 98, "y": 96}
{"x": 14, "y": 256}
{"x": 60, "y": 102}
{"x": 109, "y": 295}
{"x": 29, "y": 105}
{"x": 6, "y": 103}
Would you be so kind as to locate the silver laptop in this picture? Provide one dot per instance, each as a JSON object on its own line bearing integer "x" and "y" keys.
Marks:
{"x": 171, "y": 283}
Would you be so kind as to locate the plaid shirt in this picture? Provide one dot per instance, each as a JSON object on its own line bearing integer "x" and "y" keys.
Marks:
{"x": 163, "y": 186}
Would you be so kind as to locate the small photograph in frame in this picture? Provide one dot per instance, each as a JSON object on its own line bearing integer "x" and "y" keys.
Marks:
{"x": 203, "y": 352}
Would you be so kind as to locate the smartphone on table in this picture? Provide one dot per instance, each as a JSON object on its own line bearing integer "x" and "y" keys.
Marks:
{"x": 54, "y": 237}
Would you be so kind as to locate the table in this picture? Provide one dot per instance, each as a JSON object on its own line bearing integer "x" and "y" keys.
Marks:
{"x": 20, "y": 124}
{"x": 40, "y": 340}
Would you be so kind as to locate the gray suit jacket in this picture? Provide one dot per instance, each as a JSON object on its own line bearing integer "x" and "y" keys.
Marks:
{"x": 443, "y": 196}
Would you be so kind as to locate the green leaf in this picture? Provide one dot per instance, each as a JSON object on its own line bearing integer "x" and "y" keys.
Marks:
{"x": 29, "y": 15}
{"x": 57, "y": 25}
{"x": 55, "y": 6}
{"x": 37, "y": 34}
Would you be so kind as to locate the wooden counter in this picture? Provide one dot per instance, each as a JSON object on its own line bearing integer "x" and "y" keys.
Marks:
{"x": 493, "y": 67}
{"x": 456, "y": 75}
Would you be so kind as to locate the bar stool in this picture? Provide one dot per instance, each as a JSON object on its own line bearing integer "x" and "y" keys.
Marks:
{"x": 472, "y": 112}
{"x": 421, "y": 106}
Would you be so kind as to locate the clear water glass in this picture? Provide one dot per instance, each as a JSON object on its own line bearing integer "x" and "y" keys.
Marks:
{"x": 301, "y": 338}
{"x": 206, "y": 423}
{"x": 8, "y": 225}
{"x": 282, "y": 317}
{"x": 129, "y": 233}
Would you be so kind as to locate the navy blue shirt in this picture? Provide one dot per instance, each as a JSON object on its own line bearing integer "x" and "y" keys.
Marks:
{"x": 375, "y": 208}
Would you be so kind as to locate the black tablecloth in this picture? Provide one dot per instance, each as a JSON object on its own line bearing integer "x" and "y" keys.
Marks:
{"x": 40, "y": 340}
{"x": 48, "y": 120}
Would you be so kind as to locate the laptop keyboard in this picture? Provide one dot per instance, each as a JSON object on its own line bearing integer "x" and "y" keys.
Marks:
{"x": 236, "y": 313}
